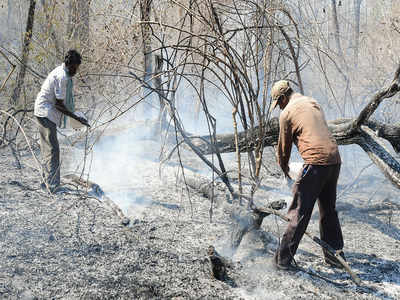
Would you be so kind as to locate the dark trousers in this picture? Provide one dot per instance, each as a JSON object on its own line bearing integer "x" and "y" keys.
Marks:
{"x": 315, "y": 182}
{"x": 50, "y": 151}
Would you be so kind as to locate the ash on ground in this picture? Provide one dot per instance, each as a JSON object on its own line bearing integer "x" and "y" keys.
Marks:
{"x": 73, "y": 246}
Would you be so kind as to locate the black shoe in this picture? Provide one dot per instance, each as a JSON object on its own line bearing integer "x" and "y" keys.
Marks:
{"x": 288, "y": 267}
{"x": 282, "y": 267}
{"x": 43, "y": 186}
{"x": 55, "y": 190}
{"x": 333, "y": 261}
{"x": 46, "y": 188}
{"x": 60, "y": 190}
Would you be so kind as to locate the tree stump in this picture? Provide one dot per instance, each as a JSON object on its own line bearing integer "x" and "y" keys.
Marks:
{"x": 249, "y": 220}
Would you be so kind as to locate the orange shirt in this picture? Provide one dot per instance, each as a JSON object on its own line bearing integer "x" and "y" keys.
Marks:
{"x": 303, "y": 123}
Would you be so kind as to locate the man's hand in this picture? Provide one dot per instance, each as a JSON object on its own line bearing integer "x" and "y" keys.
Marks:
{"x": 288, "y": 176}
{"x": 61, "y": 107}
{"x": 286, "y": 172}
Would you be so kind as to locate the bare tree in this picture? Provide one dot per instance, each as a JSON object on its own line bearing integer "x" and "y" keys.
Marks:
{"x": 145, "y": 9}
{"x": 357, "y": 13}
{"x": 25, "y": 53}
{"x": 228, "y": 52}
{"x": 336, "y": 28}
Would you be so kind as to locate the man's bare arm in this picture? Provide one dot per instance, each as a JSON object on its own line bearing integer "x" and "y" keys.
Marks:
{"x": 62, "y": 108}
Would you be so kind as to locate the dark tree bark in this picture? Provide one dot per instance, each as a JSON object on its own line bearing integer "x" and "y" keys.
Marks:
{"x": 25, "y": 53}
{"x": 217, "y": 264}
{"x": 145, "y": 9}
{"x": 162, "y": 114}
{"x": 341, "y": 131}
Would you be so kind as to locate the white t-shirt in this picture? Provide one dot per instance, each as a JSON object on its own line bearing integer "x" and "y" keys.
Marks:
{"x": 54, "y": 87}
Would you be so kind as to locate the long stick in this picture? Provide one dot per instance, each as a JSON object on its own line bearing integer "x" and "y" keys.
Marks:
{"x": 9, "y": 74}
{"x": 323, "y": 244}
{"x": 8, "y": 77}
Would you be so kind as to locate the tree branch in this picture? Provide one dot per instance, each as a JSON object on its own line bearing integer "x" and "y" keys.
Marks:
{"x": 387, "y": 92}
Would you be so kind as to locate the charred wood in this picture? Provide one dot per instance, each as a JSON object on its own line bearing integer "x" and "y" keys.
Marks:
{"x": 95, "y": 190}
{"x": 211, "y": 190}
{"x": 218, "y": 264}
{"x": 246, "y": 221}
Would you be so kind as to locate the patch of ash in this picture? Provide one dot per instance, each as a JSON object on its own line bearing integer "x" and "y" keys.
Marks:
{"x": 74, "y": 247}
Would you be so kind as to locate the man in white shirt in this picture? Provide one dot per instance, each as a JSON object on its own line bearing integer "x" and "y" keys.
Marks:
{"x": 49, "y": 109}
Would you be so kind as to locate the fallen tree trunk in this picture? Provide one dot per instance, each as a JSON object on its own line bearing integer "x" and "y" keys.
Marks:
{"x": 341, "y": 130}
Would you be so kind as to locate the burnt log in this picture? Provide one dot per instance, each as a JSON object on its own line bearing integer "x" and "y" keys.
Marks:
{"x": 93, "y": 189}
{"x": 212, "y": 190}
{"x": 218, "y": 264}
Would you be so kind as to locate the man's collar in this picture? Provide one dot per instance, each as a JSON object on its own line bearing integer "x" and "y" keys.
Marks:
{"x": 65, "y": 69}
{"x": 295, "y": 97}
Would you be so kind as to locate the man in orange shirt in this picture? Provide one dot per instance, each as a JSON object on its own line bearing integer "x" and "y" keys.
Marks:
{"x": 303, "y": 123}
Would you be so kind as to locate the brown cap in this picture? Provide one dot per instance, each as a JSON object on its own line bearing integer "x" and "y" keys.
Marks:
{"x": 278, "y": 89}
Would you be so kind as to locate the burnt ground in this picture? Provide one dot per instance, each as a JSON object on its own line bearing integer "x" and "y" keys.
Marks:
{"x": 73, "y": 246}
